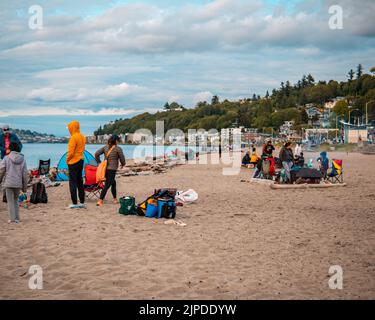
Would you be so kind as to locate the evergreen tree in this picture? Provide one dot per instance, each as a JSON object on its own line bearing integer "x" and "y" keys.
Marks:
{"x": 359, "y": 71}
{"x": 167, "y": 106}
{"x": 304, "y": 81}
{"x": 351, "y": 74}
{"x": 215, "y": 100}
{"x": 310, "y": 79}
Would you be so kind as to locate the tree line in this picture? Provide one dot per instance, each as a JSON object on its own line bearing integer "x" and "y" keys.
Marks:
{"x": 286, "y": 103}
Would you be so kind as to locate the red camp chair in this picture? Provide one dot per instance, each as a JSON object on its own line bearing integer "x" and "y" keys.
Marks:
{"x": 92, "y": 188}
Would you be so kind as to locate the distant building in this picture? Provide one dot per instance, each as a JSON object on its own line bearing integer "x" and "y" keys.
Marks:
{"x": 330, "y": 104}
{"x": 354, "y": 133}
{"x": 138, "y": 138}
{"x": 90, "y": 139}
{"x": 286, "y": 130}
{"x": 313, "y": 111}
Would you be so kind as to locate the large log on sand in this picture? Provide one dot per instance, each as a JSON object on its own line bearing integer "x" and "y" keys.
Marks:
{"x": 307, "y": 186}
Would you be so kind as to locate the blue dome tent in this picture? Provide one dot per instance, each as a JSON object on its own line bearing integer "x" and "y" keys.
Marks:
{"x": 62, "y": 167}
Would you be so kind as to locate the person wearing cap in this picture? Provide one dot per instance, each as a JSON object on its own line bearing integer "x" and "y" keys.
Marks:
{"x": 6, "y": 138}
{"x": 114, "y": 155}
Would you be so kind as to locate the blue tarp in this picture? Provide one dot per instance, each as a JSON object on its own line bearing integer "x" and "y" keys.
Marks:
{"x": 62, "y": 167}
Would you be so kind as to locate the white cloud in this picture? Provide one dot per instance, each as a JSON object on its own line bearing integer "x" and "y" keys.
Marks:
{"x": 143, "y": 28}
{"x": 143, "y": 55}
{"x": 202, "y": 96}
{"x": 47, "y": 94}
{"x": 55, "y": 111}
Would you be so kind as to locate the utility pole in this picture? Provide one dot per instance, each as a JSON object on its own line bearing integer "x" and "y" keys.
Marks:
{"x": 367, "y": 111}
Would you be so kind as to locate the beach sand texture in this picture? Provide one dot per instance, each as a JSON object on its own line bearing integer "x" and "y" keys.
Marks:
{"x": 241, "y": 241}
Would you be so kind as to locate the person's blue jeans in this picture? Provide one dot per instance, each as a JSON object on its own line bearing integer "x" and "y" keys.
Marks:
{"x": 288, "y": 167}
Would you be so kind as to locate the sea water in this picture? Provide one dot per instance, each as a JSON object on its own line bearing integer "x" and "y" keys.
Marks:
{"x": 43, "y": 151}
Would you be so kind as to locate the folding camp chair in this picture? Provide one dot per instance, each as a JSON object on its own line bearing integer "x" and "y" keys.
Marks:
{"x": 336, "y": 173}
{"x": 92, "y": 188}
{"x": 44, "y": 166}
{"x": 43, "y": 169}
{"x": 266, "y": 169}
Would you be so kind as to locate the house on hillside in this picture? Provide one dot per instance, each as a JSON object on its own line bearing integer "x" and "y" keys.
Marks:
{"x": 286, "y": 129}
{"x": 138, "y": 138}
{"x": 330, "y": 104}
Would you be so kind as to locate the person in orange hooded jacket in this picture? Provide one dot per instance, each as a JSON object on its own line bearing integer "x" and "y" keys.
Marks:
{"x": 74, "y": 159}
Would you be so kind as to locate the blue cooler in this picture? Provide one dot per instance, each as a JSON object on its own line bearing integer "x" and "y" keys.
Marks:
{"x": 166, "y": 209}
{"x": 151, "y": 211}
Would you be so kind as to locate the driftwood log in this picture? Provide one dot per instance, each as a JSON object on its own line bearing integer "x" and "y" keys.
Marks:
{"x": 307, "y": 186}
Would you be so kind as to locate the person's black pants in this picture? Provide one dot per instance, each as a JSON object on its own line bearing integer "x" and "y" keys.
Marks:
{"x": 110, "y": 182}
{"x": 76, "y": 182}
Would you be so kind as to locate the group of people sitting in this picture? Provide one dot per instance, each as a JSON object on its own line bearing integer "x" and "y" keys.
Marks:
{"x": 286, "y": 160}
{"x": 14, "y": 174}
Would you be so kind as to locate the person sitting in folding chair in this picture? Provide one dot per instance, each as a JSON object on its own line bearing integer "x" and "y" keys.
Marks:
{"x": 323, "y": 164}
{"x": 336, "y": 173}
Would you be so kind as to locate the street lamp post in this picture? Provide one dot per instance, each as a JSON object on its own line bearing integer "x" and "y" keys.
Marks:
{"x": 366, "y": 110}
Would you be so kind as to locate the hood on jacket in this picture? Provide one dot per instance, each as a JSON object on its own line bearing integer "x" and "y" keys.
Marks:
{"x": 323, "y": 154}
{"x": 16, "y": 157}
{"x": 74, "y": 127}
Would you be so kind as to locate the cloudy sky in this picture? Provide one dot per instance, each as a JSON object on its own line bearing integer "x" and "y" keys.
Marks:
{"x": 106, "y": 59}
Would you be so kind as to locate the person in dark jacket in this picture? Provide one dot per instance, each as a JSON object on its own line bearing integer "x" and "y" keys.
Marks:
{"x": 6, "y": 138}
{"x": 114, "y": 155}
{"x": 286, "y": 157}
{"x": 268, "y": 150}
{"x": 246, "y": 159}
{"x": 323, "y": 163}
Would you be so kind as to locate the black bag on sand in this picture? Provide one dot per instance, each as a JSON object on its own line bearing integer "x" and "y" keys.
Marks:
{"x": 308, "y": 175}
{"x": 39, "y": 194}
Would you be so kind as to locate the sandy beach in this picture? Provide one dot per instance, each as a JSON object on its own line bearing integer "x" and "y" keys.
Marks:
{"x": 241, "y": 241}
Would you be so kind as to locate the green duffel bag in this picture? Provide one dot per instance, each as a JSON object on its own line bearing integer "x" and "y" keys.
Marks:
{"x": 127, "y": 206}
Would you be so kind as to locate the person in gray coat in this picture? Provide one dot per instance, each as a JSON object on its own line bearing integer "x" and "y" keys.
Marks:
{"x": 14, "y": 177}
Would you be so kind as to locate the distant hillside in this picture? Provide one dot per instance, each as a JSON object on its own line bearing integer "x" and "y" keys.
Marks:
{"x": 286, "y": 103}
{"x": 28, "y": 136}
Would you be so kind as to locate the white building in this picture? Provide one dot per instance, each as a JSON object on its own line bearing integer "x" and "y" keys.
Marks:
{"x": 330, "y": 104}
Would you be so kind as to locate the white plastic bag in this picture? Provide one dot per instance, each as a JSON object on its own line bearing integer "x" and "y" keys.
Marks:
{"x": 188, "y": 196}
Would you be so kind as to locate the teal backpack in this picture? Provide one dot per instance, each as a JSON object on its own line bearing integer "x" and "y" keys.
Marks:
{"x": 127, "y": 206}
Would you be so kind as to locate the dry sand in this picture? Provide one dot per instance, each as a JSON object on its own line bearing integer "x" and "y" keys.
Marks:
{"x": 242, "y": 241}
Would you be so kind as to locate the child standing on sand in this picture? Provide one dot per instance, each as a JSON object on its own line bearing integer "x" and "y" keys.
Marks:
{"x": 14, "y": 171}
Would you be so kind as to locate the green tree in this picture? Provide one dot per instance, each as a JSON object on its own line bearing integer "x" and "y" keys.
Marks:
{"x": 174, "y": 106}
{"x": 167, "y": 106}
{"x": 341, "y": 108}
{"x": 215, "y": 100}
{"x": 310, "y": 79}
{"x": 351, "y": 74}
{"x": 359, "y": 71}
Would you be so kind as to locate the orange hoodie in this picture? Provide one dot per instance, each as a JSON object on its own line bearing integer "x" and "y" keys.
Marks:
{"x": 76, "y": 145}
